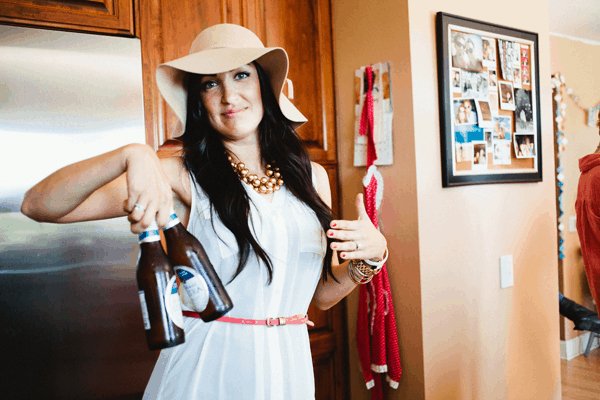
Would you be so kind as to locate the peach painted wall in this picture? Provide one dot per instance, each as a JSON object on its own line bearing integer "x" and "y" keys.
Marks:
{"x": 462, "y": 337}
{"x": 577, "y": 61}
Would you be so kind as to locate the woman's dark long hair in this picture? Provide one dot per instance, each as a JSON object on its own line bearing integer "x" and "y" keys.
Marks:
{"x": 204, "y": 156}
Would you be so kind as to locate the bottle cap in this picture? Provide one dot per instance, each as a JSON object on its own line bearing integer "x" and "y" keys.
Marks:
{"x": 173, "y": 220}
{"x": 150, "y": 234}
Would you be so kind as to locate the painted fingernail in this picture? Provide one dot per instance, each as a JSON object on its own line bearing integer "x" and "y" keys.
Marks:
{"x": 343, "y": 256}
{"x": 330, "y": 233}
{"x": 333, "y": 225}
{"x": 334, "y": 247}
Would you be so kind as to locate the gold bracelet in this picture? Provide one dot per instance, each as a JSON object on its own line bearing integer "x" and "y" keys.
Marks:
{"x": 366, "y": 270}
{"x": 356, "y": 274}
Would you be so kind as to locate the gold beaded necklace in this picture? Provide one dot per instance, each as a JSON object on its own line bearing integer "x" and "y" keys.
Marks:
{"x": 265, "y": 185}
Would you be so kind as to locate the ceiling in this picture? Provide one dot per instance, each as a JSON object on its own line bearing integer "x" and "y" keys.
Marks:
{"x": 575, "y": 19}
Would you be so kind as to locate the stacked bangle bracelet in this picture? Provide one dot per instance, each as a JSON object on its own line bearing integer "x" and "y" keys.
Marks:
{"x": 361, "y": 274}
{"x": 379, "y": 264}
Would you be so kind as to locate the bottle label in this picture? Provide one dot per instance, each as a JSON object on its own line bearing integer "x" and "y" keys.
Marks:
{"x": 194, "y": 285}
{"x": 173, "y": 303}
{"x": 144, "y": 310}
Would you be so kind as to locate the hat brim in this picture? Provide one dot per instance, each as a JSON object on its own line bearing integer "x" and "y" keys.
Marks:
{"x": 170, "y": 76}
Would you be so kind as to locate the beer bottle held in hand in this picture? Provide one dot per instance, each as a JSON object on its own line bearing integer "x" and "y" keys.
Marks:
{"x": 195, "y": 271}
{"x": 157, "y": 285}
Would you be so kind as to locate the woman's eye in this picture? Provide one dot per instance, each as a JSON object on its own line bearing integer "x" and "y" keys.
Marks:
{"x": 208, "y": 85}
{"x": 242, "y": 75}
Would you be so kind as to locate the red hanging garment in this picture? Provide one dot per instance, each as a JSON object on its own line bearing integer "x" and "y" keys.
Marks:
{"x": 376, "y": 333}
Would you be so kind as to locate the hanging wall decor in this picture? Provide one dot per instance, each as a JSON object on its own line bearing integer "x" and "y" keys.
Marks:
{"x": 489, "y": 101}
{"x": 383, "y": 114}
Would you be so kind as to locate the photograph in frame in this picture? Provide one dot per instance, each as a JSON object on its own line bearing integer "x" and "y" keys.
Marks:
{"x": 487, "y": 133}
{"x": 489, "y": 51}
{"x": 502, "y": 127}
{"x": 474, "y": 84}
{"x": 493, "y": 80}
{"x": 517, "y": 78}
{"x": 524, "y": 145}
{"x": 494, "y": 103}
{"x": 479, "y": 160}
{"x": 456, "y": 87}
{"x": 507, "y": 95}
{"x": 523, "y": 111}
{"x": 484, "y": 113}
{"x": 467, "y": 51}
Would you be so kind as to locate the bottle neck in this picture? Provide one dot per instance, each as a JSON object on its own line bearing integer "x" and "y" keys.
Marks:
{"x": 150, "y": 234}
{"x": 173, "y": 221}
{"x": 174, "y": 224}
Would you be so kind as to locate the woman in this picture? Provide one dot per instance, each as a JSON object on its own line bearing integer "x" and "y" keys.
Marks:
{"x": 266, "y": 242}
{"x": 461, "y": 117}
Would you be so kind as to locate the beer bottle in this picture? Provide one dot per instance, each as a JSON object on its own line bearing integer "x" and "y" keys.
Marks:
{"x": 157, "y": 284}
{"x": 195, "y": 271}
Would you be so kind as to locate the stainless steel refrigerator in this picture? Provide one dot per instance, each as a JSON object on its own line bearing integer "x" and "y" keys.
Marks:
{"x": 70, "y": 320}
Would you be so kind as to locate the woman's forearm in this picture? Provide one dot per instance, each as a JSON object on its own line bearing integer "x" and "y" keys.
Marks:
{"x": 329, "y": 293}
{"x": 63, "y": 191}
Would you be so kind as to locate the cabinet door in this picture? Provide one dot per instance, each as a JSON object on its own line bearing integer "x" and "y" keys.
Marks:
{"x": 101, "y": 16}
{"x": 303, "y": 29}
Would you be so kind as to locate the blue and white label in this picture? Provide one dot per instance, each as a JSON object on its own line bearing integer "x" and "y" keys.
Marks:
{"x": 173, "y": 220}
{"x": 150, "y": 234}
{"x": 144, "y": 310}
{"x": 194, "y": 285}
{"x": 172, "y": 302}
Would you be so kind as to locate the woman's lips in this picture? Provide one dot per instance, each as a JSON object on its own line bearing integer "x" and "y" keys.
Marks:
{"x": 232, "y": 113}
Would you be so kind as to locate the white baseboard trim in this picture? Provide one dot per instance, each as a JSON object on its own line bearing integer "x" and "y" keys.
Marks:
{"x": 572, "y": 348}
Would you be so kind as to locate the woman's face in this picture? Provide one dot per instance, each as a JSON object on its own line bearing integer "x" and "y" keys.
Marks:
{"x": 468, "y": 107}
{"x": 462, "y": 117}
{"x": 233, "y": 102}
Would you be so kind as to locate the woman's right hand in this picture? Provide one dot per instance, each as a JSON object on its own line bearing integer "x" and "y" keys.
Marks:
{"x": 149, "y": 193}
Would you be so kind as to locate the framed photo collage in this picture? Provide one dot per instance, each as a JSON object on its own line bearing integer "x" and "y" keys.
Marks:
{"x": 489, "y": 103}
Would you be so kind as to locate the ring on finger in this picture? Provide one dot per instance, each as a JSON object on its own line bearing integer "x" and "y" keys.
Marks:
{"x": 139, "y": 207}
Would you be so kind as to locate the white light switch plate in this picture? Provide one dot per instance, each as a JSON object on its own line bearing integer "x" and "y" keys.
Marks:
{"x": 506, "y": 271}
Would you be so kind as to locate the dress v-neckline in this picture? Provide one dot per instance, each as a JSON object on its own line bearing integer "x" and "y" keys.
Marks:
{"x": 274, "y": 200}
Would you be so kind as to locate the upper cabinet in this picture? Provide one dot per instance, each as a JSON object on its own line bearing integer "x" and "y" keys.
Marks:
{"x": 99, "y": 16}
{"x": 303, "y": 29}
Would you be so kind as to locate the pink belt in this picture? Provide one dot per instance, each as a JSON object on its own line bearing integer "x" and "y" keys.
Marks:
{"x": 295, "y": 320}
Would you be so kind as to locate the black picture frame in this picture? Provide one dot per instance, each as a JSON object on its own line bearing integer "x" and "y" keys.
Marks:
{"x": 451, "y": 176}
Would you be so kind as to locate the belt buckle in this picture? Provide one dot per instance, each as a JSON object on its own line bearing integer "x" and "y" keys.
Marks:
{"x": 282, "y": 321}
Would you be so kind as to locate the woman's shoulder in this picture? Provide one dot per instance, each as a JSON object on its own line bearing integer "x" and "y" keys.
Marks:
{"x": 319, "y": 171}
{"x": 322, "y": 182}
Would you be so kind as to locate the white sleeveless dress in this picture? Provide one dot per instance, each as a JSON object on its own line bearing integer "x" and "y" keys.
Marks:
{"x": 222, "y": 360}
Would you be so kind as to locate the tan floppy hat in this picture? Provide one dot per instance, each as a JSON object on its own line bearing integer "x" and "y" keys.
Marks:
{"x": 222, "y": 48}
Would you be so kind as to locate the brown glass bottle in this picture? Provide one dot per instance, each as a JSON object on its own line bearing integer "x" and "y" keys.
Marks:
{"x": 157, "y": 285}
{"x": 196, "y": 272}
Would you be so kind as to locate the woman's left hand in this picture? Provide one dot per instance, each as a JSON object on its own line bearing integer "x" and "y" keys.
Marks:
{"x": 358, "y": 240}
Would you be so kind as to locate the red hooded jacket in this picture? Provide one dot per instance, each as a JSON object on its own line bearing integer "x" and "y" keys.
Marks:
{"x": 588, "y": 219}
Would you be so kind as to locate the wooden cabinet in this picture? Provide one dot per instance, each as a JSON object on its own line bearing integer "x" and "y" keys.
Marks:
{"x": 303, "y": 29}
{"x": 99, "y": 16}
